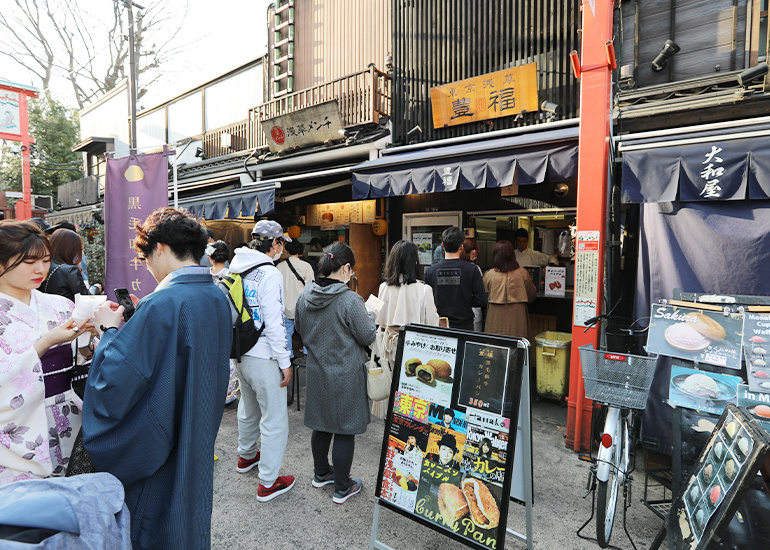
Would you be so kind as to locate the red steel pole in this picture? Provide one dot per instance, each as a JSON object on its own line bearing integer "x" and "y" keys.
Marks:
{"x": 593, "y": 180}
{"x": 24, "y": 206}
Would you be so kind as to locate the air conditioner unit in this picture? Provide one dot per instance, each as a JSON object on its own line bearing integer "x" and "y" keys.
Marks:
{"x": 42, "y": 202}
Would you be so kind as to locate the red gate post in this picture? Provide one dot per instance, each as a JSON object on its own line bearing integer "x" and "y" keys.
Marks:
{"x": 593, "y": 168}
{"x": 14, "y": 126}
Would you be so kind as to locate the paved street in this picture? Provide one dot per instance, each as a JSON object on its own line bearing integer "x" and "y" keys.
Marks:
{"x": 306, "y": 517}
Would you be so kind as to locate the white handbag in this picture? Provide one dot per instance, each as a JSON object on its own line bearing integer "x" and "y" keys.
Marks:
{"x": 378, "y": 380}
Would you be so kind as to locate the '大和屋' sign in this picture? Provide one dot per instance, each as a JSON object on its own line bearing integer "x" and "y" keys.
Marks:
{"x": 493, "y": 95}
{"x": 312, "y": 126}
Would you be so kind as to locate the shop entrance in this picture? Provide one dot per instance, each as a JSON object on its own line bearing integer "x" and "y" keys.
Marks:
{"x": 424, "y": 230}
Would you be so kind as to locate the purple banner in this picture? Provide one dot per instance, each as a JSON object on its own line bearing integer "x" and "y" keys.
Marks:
{"x": 135, "y": 186}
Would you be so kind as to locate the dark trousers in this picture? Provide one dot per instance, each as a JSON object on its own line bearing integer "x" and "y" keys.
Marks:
{"x": 342, "y": 457}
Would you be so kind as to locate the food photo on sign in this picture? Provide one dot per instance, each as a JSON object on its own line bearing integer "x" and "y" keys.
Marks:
{"x": 696, "y": 335}
{"x": 756, "y": 403}
{"x": 756, "y": 348}
{"x": 702, "y": 390}
{"x": 428, "y": 367}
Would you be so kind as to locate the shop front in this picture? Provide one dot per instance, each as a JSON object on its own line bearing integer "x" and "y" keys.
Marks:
{"x": 490, "y": 186}
{"x": 701, "y": 196}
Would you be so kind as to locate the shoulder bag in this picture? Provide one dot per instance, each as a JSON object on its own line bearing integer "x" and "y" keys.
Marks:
{"x": 378, "y": 380}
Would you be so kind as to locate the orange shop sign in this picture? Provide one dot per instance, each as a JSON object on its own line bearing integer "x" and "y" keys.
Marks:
{"x": 493, "y": 95}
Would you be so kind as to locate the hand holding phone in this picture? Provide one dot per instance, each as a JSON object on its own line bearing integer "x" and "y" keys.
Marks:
{"x": 124, "y": 299}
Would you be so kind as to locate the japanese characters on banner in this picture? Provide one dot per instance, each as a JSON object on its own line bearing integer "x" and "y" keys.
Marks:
{"x": 447, "y": 453}
{"x": 703, "y": 336}
{"x": 493, "y": 95}
{"x": 135, "y": 186}
{"x": 586, "y": 276}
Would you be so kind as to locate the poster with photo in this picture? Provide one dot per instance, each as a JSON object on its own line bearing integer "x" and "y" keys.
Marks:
{"x": 424, "y": 243}
{"x": 484, "y": 375}
{"x": 427, "y": 370}
{"x": 400, "y": 485}
{"x": 409, "y": 437}
{"x": 447, "y": 417}
{"x": 756, "y": 350}
{"x": 696, "y": 335}
{"x": 445, "y": 447}
{"x": 484, "y": 453}
{"x": 326, "y": 214}
{"x": 702, "y": 390}
{"x": 464, "y": 505}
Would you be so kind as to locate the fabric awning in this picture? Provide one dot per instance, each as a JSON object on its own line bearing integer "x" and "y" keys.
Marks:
{"x": 79, "y": 216}
{"x": 721, "y": 167}
{"x": 231, "y": 204}
{"x": 527, "y": 159}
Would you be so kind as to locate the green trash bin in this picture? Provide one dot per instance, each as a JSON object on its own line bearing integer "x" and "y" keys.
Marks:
{"x": 552, "y": 364}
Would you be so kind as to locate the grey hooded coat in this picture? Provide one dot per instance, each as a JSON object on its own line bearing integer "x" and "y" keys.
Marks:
{"x": 336, "y": 329}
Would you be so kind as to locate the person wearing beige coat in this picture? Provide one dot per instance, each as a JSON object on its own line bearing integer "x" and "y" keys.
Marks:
{"x": 509, "y": 288}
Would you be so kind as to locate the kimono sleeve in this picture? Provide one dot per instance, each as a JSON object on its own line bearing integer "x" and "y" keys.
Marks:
{"x": 120, "y": 432}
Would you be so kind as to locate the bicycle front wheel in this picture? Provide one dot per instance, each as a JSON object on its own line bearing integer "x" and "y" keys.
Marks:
{"x": 607, "y": 491}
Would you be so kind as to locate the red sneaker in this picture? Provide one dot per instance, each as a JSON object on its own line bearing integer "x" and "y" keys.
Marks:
{"x": 281, "y": 486}
{"x": 245, "y": 465}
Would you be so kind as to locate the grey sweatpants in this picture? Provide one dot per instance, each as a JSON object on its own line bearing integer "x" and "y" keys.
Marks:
{"x": 262, "y": 412}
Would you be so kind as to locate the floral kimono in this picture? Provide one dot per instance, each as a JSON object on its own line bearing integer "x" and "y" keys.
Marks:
{"x": 38, "y": 422}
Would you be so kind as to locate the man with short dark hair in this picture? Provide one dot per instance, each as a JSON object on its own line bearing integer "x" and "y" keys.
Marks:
{"x": 157, "y": 385}
{"x": 525, "y": 256}
{"x": 457, "y": 285}
{"x": 265, "y": 370}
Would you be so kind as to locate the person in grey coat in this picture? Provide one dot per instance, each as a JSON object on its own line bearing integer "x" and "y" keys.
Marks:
{"x": 336, "y": 330}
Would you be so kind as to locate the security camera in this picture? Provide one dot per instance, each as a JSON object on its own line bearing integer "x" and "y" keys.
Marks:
{"x": 669, "y": 49}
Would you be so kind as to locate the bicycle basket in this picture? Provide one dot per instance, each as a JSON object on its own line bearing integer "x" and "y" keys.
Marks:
{"x": 618, "y": 379}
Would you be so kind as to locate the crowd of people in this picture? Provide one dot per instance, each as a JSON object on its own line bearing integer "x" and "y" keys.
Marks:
{"x": 158, "y": 381}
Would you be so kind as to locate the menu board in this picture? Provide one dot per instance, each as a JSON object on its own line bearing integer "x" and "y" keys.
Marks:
{"x": 756, "y": 350}
{"x": 341, "y": 214}
{"x": 718, "y": 482}
{"x": 696, "y": 335}
{"x": 447, "y": 452}
{"x": 424, "y": 242}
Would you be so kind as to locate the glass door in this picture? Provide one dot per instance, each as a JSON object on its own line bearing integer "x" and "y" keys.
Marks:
{"x": 424, "y": 230}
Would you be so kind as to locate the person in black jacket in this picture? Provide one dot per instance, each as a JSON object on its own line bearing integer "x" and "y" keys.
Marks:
{"x": 64, "y": 276}
{"x": 457, "y": 285}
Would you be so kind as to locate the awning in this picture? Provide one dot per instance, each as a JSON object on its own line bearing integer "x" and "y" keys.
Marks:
{"x": 527, "y": 158}
{"x": 698, "y": 164}
{"x": 231, "y": 204}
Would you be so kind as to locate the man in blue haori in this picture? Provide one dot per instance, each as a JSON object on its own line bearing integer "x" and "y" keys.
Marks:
{"x": 157, "y": 386}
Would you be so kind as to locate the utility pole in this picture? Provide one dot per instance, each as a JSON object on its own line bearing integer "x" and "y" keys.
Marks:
{"x": 595, "y": 72}
{"x": 132, "y": 67}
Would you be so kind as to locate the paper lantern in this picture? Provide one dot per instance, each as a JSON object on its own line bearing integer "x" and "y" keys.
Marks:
{"x": 379, "y": 227}
{"x": 294, "y": 231}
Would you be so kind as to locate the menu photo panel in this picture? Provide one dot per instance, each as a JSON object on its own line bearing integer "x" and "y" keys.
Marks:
{"x": 447, "y": 453}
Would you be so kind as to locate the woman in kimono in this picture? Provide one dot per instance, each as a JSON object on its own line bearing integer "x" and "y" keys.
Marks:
{"x": 39, "y": 412}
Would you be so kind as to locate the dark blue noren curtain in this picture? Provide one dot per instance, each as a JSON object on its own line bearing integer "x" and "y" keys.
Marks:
{"x": 712, "y": 247}
{"x": 716, "y": 170}
{"x": 216, "y": 207}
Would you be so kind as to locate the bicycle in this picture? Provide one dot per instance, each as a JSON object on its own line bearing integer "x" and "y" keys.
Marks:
{"x": 621, "y": 382}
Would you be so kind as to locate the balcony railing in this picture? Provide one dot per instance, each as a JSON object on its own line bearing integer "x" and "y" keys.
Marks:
{"x": 363, "y": 97}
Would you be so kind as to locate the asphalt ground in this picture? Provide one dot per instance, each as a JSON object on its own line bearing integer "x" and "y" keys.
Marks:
{"x": 306, "y": 517}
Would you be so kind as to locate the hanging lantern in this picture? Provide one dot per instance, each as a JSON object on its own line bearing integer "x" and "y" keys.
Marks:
{"x": 379, "y": 227}
{"x": 294, "y": 231}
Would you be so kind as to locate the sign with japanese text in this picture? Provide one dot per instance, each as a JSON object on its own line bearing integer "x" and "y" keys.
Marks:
{"x": 756, "y": 350}
{"x": 493, "y": 95}
{"x": 135, "y": 186}
{"x": 586, "y": 276}
{"x": 696, "y": 335}
{"x": 10, "y": 124}
{"x": 304, "y": 128}
{"x": 447, "y": 459}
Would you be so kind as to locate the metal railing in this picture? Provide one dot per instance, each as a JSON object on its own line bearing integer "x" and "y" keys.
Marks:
{"x": 362, "y": 97}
